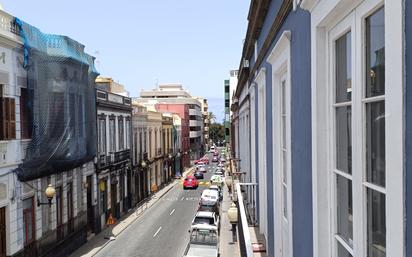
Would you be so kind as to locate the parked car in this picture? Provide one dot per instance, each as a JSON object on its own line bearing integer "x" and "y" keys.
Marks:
{"x": 220, "y": 173}
{"x": 216, "y": 180}
{"x": 217, "y": 189}
{"x": 216, "y": 153}
{"x": 202, "y": 169}
{"x": 212, "y": 205}
{"x": 205, "y": 160}
{"x": 215, "y": 159}
{"x": 199, "y": 164}
{"x": 206, "y": 218}
{"x": 209, "y": 196}
{"x": 190, "y": 182}
{"x": 198, "y": 175}
{"x": 204, "y": 242}
{"x": 222, "y": 159}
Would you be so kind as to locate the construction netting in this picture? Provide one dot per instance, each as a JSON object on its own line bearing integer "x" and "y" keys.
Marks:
{"x": 60, "y": 100}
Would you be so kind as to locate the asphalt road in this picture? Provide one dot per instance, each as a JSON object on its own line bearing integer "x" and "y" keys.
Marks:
{"x": 162, "y": 231}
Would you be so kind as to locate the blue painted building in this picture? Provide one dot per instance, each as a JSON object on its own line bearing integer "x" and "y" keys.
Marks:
{"x": 274, "y": 117}
{"x": 325, "y": 85}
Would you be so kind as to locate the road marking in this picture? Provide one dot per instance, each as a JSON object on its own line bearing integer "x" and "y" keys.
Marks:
{"x": 157, "y": 232}
{"x": 182, "y": 198}
{"x": 172, "y": 212}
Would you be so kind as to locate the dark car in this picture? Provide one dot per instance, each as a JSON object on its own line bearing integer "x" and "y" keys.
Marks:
{"x": 199, "y": 175}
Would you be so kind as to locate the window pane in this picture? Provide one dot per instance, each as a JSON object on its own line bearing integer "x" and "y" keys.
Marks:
{"x": 376, "y": 223}
{"x": 375, "y": 143}
{"x": 284, "y": 166}
{"x": 342, "y": 252}
{"x": 283, "y": 131}
{"x": 285, "y": 201}
{"x": 344, "y": 139}
{"x": 375, "y": 54}
{"x": 343, "y": 68}
{"x": 283, "y": 100}
{"x": 344, "y": 209}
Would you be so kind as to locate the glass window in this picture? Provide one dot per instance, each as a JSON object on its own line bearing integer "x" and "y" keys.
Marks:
{"x": 376, "y": 224}
{"x": 342, "y": 252}
{"x": 344, "y": 139}
{"x": 102, "y": 136}
{"x": 121, "y": 133}
{"x": 344, "y": 209}
{"x": 375, "y": 54}
{"x": 343, "y": 68}
{"x": 112, "y": 132}
{"x": 28, "y": 220}
{"x": 375, "y": 143}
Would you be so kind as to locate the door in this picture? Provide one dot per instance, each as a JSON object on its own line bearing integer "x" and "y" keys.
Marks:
{"x": 113, "y": 190}
{"x": 69, "y": 197}
{"x": 89, "y": 205}
{"x": 3, "y": 232}
{"x": 59, "y": 213}
{"x": 285, "y": 167}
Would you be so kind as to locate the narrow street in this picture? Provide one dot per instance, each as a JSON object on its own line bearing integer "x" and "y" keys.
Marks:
{"x": 163, "y": 229}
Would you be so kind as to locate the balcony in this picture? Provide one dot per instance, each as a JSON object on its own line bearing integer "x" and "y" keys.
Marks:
{"x": 103, "y": 161}
{"x": 159, "y": 151}
{"x": 206, "y": 128}
{"x": 121, "y": 156}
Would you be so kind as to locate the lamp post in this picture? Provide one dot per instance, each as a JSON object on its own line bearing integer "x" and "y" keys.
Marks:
{"x": 232, "y": 215}
{"x": 50, "y": 192}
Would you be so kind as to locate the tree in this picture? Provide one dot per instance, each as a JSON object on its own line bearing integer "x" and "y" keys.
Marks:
{"x": 212, "y": 117}
{"x": 217, "y": 132}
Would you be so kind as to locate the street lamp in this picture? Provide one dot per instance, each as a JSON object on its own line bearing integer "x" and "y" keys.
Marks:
{"x": 232, "y": 215}
{"x": 50, "y": 192}
{"x": 178, "y": 155}
{"x": 170, "y": 156}
{"x": 143, "y": 164}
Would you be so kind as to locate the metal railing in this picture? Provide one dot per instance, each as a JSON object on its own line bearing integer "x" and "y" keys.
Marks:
{"x": 245, "y": 243}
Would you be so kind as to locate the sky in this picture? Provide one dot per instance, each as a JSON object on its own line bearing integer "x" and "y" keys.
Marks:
{"x": 141, "y": 43}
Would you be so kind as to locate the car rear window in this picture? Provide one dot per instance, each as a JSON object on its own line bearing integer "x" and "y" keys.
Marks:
{"x": 201, "y": 220}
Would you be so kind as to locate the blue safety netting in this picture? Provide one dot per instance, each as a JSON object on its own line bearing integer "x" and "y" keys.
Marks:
{"x": 61, "y": 103}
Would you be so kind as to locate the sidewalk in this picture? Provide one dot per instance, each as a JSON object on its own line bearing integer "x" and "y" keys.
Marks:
{"x": 228, "y": 248}
{"x": 98, "y": 242}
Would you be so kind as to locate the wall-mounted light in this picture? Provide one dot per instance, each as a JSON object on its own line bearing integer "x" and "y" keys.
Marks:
{"x": 50, "y": 192}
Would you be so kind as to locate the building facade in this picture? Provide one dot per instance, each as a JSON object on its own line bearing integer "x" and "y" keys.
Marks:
{"x": 174, "y": 95}
{"x": 167, "y": 147}
{"x": 271, "y": 132}
{"x": 326, "y": 91}
{"x": 140, "y": 154}
{"x": 359, "y": 127}
{"x": 30, "y": 225}
{"x": 114, "y": 144}
{"x": 155, "y": 154}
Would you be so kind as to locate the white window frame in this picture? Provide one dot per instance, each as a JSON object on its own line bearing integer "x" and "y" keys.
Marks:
{"x": 280, "y": 60}
{"x": 325, "y": 14}
{"x": 260, "y": 80}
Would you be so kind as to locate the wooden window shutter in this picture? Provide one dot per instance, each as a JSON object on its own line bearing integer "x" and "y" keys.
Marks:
{"x": 6, "y": 118}
{"x": 3, "y": 119}
{"x": 12, "y": 126}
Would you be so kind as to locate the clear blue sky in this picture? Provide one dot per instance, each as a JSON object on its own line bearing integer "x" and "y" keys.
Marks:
{"x": 140, "y": 42}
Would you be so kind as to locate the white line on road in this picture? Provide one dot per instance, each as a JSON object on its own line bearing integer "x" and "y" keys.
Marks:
{"x": 182, "y": 198}
{"x": 157, "y": 232}
{"x": 172, "y": 212}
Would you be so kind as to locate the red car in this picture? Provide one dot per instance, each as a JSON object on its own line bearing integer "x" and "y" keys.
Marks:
{"x": 205, "y": 160}
{"x": 196, "y": 161}
{"x": 190, "y": 182}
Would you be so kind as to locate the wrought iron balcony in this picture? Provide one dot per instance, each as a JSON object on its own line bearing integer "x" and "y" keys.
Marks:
{"x": 121, "y": 156}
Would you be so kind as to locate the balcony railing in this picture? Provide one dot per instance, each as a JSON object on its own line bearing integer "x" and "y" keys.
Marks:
{"x": 121, "y": 156}
{"x": 246, "y": 218}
